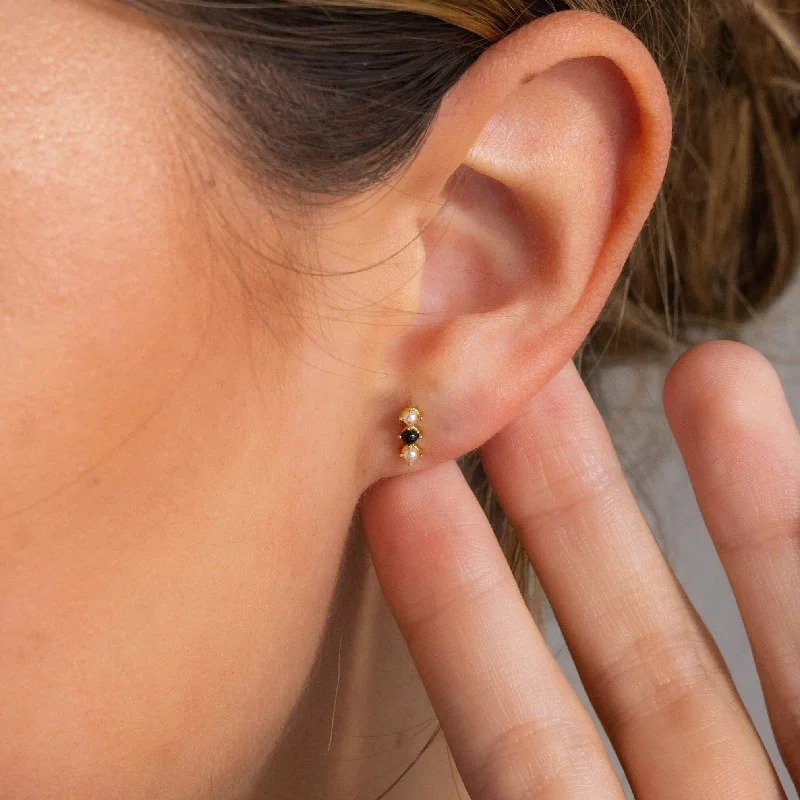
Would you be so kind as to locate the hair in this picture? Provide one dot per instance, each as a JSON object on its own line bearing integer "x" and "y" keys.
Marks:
{"x": 325, "y": 98}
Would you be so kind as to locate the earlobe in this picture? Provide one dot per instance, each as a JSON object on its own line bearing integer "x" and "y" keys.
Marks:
{"x": 547, "y": 157}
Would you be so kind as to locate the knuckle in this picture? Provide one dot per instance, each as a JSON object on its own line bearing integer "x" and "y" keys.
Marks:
{"x": 658, "y": 674}
{"x": 766, "y": 526}
{"x": 434, "y": 609}
{"x": 572, "y": 494}
{"x": 535, "y": 761}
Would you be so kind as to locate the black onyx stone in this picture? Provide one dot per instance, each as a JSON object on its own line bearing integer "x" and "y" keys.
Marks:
{"x": 410, "y": 435}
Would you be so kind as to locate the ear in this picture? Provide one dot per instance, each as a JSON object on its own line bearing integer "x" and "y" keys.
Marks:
{"x": 541, "y": 167}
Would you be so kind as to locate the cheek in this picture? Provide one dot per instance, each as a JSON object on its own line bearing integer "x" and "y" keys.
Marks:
{"x": 96, "y": 330}
{"x": 98, "y": 315}
{"x": 155, "y": 617}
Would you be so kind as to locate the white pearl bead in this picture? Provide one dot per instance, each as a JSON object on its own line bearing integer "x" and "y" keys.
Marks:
{"x": 410, "y": 418}
{"x": 410, "y": 453}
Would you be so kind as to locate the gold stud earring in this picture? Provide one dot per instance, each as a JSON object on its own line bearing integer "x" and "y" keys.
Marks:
{"x": 411, "y": 435}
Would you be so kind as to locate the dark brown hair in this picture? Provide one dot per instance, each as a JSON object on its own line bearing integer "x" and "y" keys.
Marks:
{"x": 323, "y": 98}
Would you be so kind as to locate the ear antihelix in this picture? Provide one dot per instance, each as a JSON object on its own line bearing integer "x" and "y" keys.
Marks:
{"x": 411, "y": 453}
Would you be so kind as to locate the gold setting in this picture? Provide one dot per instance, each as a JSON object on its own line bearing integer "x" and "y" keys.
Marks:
{"x": 410, "y": 417}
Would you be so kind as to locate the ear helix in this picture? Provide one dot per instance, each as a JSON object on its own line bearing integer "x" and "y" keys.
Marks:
{"x": 411, "y": 435}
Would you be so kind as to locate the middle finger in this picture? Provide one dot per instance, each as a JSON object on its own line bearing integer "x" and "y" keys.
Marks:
{"x": 649, "y": 666}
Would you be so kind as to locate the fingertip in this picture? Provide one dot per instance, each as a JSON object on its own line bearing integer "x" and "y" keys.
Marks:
{"x": 408, "y": 497}
{"x": 722, "y": 382}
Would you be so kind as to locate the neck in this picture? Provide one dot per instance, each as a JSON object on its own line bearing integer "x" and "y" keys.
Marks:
{"x": 364, "y": 724}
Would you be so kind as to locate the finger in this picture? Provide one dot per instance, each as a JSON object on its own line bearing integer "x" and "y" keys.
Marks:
{"x": 649, "y": 666}
{"x": 516, "y": 729}
{"x": 730, "y": 418}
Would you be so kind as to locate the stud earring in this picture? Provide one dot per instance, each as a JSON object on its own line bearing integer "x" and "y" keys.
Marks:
{"x": 411, "y": 435}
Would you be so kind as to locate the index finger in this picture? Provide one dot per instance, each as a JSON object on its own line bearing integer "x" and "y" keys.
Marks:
{"x": 514, "y": 725}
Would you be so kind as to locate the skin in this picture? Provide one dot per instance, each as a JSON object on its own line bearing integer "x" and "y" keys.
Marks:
{"x": 187, "y": 424}
{"x": 652, "y": 671}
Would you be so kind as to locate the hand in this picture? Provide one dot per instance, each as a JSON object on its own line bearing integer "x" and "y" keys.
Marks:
{"x": 659, "y": 685}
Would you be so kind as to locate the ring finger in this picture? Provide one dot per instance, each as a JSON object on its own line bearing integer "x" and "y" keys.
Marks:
{"x": 728, "y": 412}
